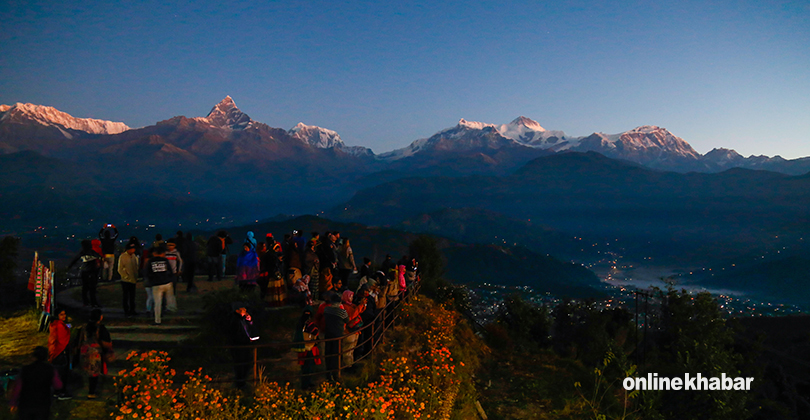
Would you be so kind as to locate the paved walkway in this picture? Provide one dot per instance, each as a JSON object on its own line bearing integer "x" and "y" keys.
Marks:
{"x": 130, "y": 334}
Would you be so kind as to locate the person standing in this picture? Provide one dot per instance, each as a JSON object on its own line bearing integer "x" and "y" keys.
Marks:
{"x": 95, "y": 348}
{"x": 108, "y": 234}
{"x": 311, "y": 264}
{"x": 335, "y": 320}
{"x": 147, "y": 281}
{"x": 247, "y": 269}
{"x": 267, "y": 267}
{"x": 160, "y": 276}
{"x": 158, "y": 241}
{"x": 180, "y": 241}
{"x": 31, "y": 395}
{"x": 189, "y": 254}
{"x": 387, "y": 265}
{"x": 327, "y": 252}
{"x": 59, "y": 349}
{"x": 128, "y": 269}
{"x": 250, "y": 240}
{"x": 175, "y": 260}
{"x": 217, "y": 252}
{"x": 240, "y": 329}
{"x": 292, "y": 256}
{"x": 347, "y": 264}
{"x": 91, "y": 264}
{"x": 305, "y": 344}
{"x": 355, "y": 322}
{"x": 366, "y": 270}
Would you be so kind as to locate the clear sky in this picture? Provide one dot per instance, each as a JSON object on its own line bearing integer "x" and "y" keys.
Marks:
{"x": 732, "y": 74}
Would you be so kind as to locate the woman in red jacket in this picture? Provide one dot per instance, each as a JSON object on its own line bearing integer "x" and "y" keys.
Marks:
{"x": 58, "y": 351}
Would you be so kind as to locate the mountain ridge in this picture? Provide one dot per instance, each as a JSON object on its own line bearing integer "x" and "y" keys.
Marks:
{"x": 48, "y": 130}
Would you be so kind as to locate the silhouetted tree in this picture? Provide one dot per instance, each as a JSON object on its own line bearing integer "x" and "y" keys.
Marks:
{"x": 8, "y": 259}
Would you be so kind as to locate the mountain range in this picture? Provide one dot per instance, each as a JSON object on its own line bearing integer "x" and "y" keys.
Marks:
{"x": 232, "y": 137}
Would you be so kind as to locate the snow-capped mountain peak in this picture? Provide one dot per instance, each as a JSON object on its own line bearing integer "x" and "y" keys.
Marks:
{"x": 723, "y": 156}
{"x": 646, "y": 129}
{"x": 225, "y": 114}
{"x": 645, "y": 144}
{"x": 475, "y": 125}
{"x": 49, "y": 116}
{"x": 527, "y": 122}
{"x": 530, "y": 133}
{"x": 316, "y": 136}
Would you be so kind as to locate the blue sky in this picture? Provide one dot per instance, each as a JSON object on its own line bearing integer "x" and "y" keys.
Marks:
{"x": 732, "y": 74}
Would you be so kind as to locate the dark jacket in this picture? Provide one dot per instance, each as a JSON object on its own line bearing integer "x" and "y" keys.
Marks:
{"x": 269, "y": 263}
{"x": 335, "y": 320}
{"x": 327, "y": 253}
{"x": 108, "y": 244}
{"x": 218, "y": 245}
{"x": 387, "y": 265}
{"x": 366, "y": 271}
{"x": 189, "y": 252}
{"x": 159, "y": 271}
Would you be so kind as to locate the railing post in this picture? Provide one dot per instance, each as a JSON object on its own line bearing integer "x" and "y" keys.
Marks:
{"x": 384, "y": 329}
{"x": 255, "y": 368}
{"x": 340, "y": 357}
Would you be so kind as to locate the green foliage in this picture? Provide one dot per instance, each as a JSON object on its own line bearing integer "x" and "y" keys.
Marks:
{"x": 604, "y": 398}
{"x": 525, "y": 324}
{"x": 695, "y": 339}
{"x": 584, "y": 332}
{"x": 432, "y": 269}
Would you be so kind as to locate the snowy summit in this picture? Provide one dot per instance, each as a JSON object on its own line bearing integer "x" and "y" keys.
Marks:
{"x": 225, "y": 114}
{"x": 45, "y": 115}
{"x": 315, "y": 136}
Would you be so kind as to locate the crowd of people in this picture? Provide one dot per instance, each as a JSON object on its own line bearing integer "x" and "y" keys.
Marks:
{"x": 314, "y": 274}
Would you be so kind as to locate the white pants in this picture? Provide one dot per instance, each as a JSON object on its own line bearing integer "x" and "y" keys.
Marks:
{"x": 349, "y": 343}
{"x": 158, "y": 292}
{"x": 109, "y": 263}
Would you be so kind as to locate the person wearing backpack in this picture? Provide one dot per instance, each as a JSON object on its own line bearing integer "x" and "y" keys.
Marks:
{"x": 91, "y": 264}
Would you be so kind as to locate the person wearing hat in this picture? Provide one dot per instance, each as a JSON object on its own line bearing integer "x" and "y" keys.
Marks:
{"x": 128, "y": 264}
